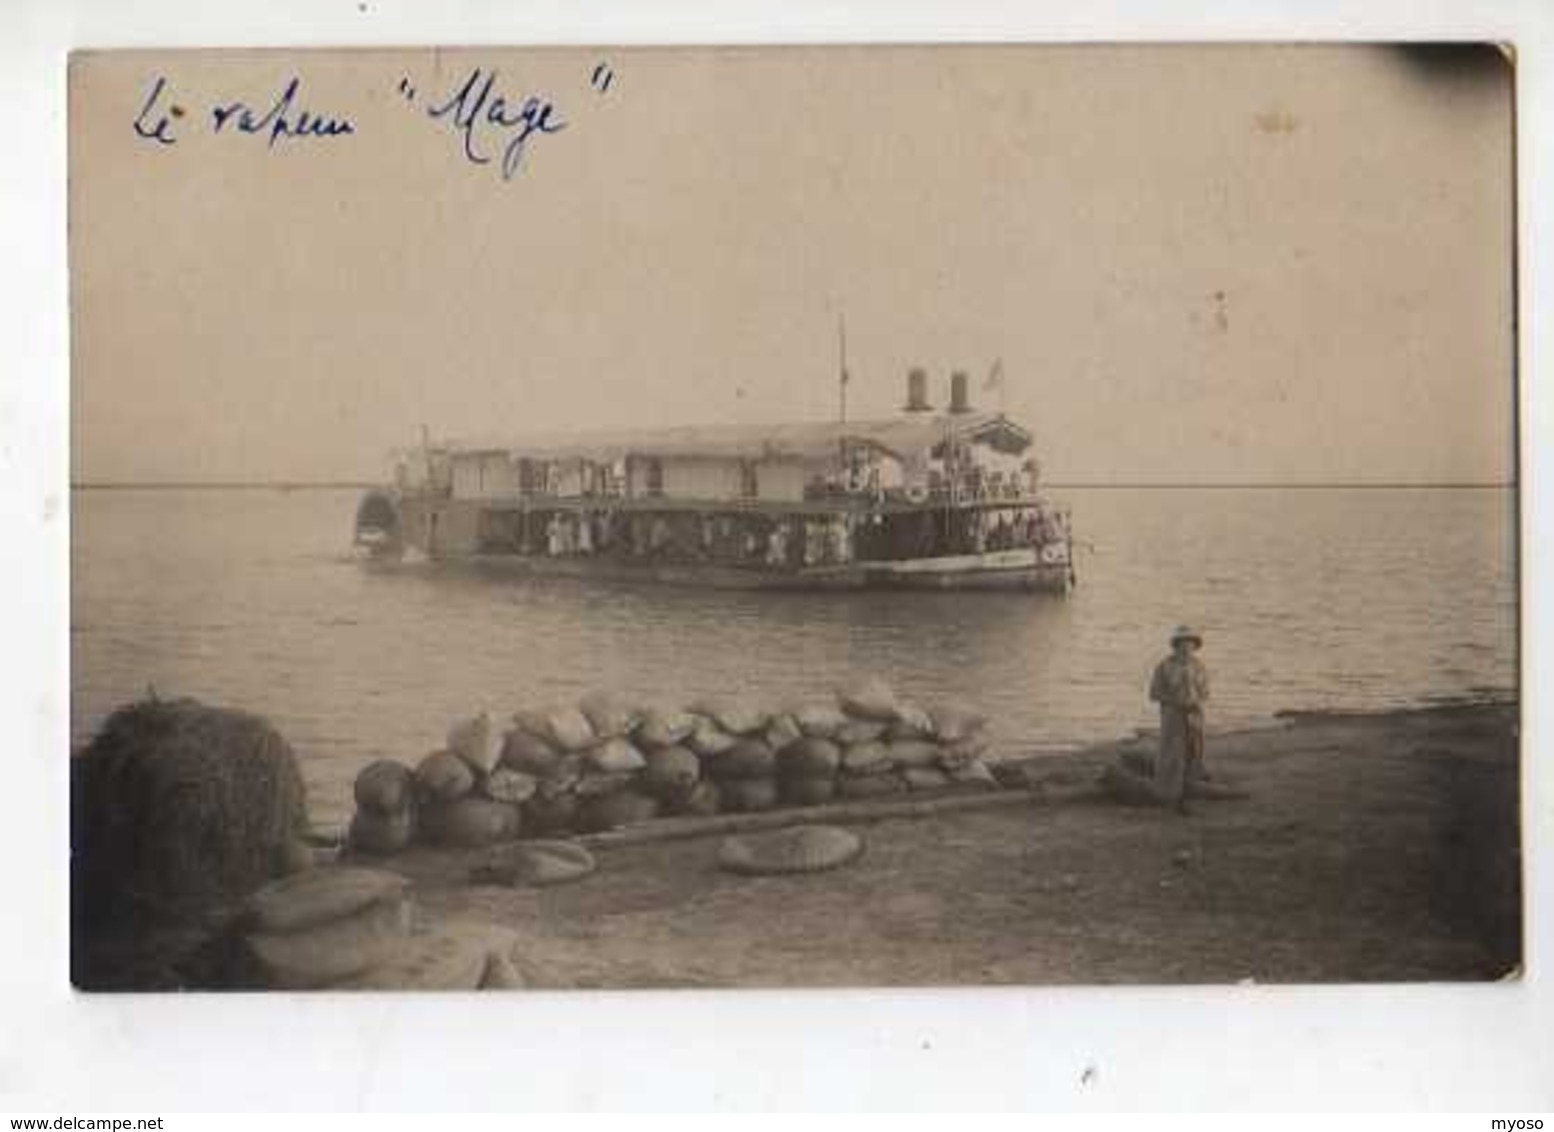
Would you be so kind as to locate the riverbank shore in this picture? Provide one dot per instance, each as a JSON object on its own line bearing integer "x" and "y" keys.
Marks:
{"x": 1371, "y": 847}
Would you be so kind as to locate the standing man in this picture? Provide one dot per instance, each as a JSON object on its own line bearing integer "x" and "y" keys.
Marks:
{"x": 1180, "y": 686}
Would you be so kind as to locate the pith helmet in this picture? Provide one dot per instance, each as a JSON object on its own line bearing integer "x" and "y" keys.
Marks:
{"x": 1185, "y": 633}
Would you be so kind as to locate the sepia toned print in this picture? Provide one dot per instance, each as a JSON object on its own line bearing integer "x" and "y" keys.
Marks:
{"x": 851, "y": 516}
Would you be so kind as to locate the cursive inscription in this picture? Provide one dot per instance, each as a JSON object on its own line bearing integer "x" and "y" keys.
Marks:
{"x": 488, "y": 120}
{"x": 284, "y": 117}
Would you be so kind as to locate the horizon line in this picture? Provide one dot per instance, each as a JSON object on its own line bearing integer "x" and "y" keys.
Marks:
{"x": 1129, "y": 485}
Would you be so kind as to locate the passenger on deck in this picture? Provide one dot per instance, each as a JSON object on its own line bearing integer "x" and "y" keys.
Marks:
{"x": 777, "y": 545}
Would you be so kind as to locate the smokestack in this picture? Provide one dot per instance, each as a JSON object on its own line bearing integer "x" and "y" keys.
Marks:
{"x": 917, "y": 391}
{"x": 960, "y": 396}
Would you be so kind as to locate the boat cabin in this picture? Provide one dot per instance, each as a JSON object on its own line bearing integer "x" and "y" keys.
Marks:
{"x": 952, "y": 458}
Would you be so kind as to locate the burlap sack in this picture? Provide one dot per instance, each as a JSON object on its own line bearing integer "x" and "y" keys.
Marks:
{"x": 661, "y": 728}
{"x": 709, "y": 740}
{"x": 443, "y": 777}
{"x": 913, "y": 753}
{"x": 748, "y": 795}
{"x": 703, "y": 800}
{"x": 870, "y": 699}
{"x": 330, "y": 952}
{"x": 529, "y": 753}
{"x": 954, "y": 723}
{"x": 671, "y": 772}
{"x": 505, "y": 784}
{"x": 385, "y": 787}
{"x": 802, "y": 790}
{"x": 924, "y": 778}
{"x": 476, "y": 742}
{"x": 319, "y": 897}
{"x": 747, "y": 758}
{"x": 810, "y": 758}
{"x": 614, "y": 810}
{"x": 613, "y": 756}
{"x": 548, "y": 815}
{"x": 856, "y": 731}
{"x": 866, "y": 759}
{"x": 469, "y": 823}
{"x": 380, "y": 834}
{"x": 870, "y": 786}
{"x": 610, "y": 716}
{"x": 911, "y": 722}
{"x": 782, "y": 732}
{"x": 820, "y": 721}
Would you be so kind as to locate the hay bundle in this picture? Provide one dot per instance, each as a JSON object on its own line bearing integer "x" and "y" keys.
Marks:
{"x": 184, "y": 809}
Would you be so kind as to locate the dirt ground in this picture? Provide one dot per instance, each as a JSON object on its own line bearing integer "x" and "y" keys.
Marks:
{"x": 1372, "y": 848}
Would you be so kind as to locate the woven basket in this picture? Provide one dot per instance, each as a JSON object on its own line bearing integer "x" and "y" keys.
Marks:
{"x": 798, "y": 849}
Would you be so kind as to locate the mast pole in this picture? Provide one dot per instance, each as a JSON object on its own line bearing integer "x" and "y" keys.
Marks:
{"x": 841, "y": 342}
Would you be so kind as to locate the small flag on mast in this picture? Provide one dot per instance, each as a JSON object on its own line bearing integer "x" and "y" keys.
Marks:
{"x": 995, "y": 376}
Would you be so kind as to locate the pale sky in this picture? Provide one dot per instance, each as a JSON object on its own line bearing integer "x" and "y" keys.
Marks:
{"x": 1197, "y": 264}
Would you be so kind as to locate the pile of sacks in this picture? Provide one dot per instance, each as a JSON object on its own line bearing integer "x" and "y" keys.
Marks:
{"x": 352, "y": 928}
{"x": 606, "y": 763}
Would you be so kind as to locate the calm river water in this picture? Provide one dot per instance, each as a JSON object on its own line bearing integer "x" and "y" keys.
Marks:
{"x": 1308, "y": 598}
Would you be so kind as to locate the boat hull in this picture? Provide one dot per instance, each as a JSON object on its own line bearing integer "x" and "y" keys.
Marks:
{"x": 1004, "y": 570}
{"x": 449, "y": 533}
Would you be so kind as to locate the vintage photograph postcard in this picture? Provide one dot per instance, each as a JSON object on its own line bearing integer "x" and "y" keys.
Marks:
{"x": 793, "y": 516}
